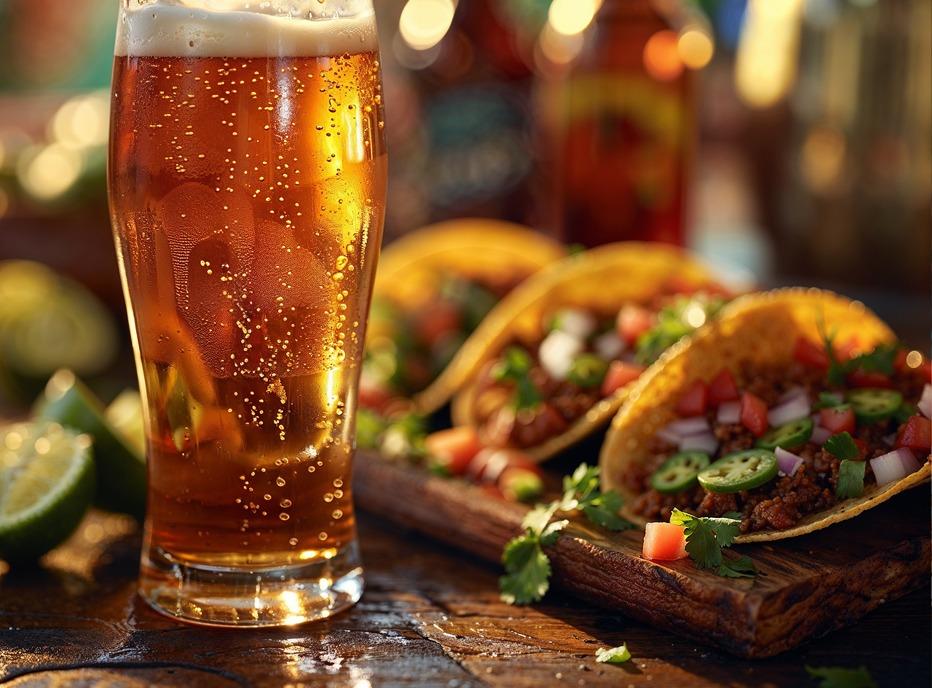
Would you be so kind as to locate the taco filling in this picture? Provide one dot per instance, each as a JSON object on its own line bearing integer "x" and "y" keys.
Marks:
{"x": 407, "y": 348}
{"x": 775, "y": 443}
{"x": 534, "y": 391}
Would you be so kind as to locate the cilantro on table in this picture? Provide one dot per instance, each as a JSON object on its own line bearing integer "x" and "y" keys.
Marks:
{"x": 613, "y": 655}
{"x": 515, "y": 365}
{"x": 527, "y": 567}
{"x": 841, "y": 677}
{"x": 707, "y": 537}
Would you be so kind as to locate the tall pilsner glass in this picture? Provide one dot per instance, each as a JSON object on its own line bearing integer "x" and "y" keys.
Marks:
{"x": 247, "y": 188}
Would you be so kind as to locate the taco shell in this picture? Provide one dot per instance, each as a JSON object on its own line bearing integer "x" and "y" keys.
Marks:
{"x": 755, "y": 329}
{"x": 602, "y": 280}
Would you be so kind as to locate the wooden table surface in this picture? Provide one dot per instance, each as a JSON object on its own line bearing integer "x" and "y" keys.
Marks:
{"x": 430, "y": 617}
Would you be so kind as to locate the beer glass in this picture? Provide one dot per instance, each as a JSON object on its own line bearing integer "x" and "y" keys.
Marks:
{"x": 247, "y": 175}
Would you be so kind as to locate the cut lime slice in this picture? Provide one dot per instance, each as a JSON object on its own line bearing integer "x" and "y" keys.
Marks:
{"x": 125, "y": 416}
{"x": 121, "y": 470}
{"x": 46, "y": 485}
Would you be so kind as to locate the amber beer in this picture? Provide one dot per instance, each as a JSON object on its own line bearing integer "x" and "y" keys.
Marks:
{"x": 247, "y": 184}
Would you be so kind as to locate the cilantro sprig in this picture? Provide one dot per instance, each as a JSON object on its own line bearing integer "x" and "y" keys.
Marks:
{"x": 880, "y": 360}
{"x": 841, "y": 677}
{"x": 613, "y": 655}
{"x": 672, "y": 325}
{"x": 707, "y": 538}
{"x": 515, "y": 366}
{"x": 851, "y": 469}
{"x": 527, "y": 566}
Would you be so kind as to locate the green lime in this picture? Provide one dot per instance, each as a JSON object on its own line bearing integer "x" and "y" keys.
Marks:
{"x": 679, "y": 472}
{"x": 121, "y": 470}
{"x": 125, "y": 416}
{"x": 46, "y": 485}
{"x": 740, "y": 471}
{"x": 789, "y": 435}
{"x": 871, "y": 405}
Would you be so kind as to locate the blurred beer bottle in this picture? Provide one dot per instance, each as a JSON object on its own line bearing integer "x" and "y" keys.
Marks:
{"x": 618, "y": 121}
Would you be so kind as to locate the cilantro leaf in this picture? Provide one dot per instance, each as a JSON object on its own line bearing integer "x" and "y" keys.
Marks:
{"x": 841, "y": 677}
{"x": 579, "y": 486}
{"x": 527, "y": 571}
{"x": 706, "y": 537}
{"x": 581, "y": 491}
{"x": 850, "y": 479}
{"x": 880, "y": 360}
{"x": 603, "y": 511}
{"x": 742, "y": 567}
{"x": 515, "y": 365}
{"x": 613, "y": 655}
{"x": 842, "y": 446}
{"x": 527, "y": 396}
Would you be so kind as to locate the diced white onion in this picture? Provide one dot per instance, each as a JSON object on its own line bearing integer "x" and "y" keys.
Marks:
{"x": 609, "y": 345}
{"x": 820, "y": 435}
{"x": 729, "y": 412}
{"x": 791, "y": 393}
{"x": 557, "y": 352}
{"x": 794, "y": 409}
{"x": 704, "y": 442}
{"x": 894, "y": 465}
{"x": 788, "y": 462}
{"x": 925, "y": 402}
{"x": 688, "y": 426}
{"x": 576, "y": 322}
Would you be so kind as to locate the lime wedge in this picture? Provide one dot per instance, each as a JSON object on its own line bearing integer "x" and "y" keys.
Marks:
{"x": 121, "y": 470}
{"x": 125, "y": 416}
{"x": 46, "y": 485}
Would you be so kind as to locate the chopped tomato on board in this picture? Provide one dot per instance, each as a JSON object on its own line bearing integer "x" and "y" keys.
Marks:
{"x": 454, "y": 448}
{"x": 754, "y": 413}
{"x": 837, "y": 420}
{"x": 619, "y": 374}
{"x": 664, "y": 542}
{"x": 915, "y": 433}
{"x": 862, "y": 378}
{"x": 809, "y": 353}
{"x": 633, "y": 321}
{"x": 723, "y": 388}
{"x": 694, "y": 400}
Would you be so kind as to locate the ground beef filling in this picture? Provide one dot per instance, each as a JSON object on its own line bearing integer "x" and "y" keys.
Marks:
{"x": 784, "y": 501}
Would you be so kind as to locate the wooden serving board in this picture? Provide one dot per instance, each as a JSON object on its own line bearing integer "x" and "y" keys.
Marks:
{"x": 806, "y": 587}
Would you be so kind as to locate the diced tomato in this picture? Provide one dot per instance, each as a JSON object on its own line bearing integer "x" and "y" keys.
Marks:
{"x": 753, "y": 413}
{"x": 633, "y": 321}
{"x": 723, "y": 388}
{"x": 915, "y": 433}
{"x": 837, "y": 420}
{"x": 694, "y": 400}
{"x": 862, "y": 448}
{"x": 437, "y": 321}
{"x": 619, "y": 374}
{"x": 454, "y": 448}
{"x": 809, "y": 353}
{"x": 862, "y": 378}
{"x": 664, "y": 542}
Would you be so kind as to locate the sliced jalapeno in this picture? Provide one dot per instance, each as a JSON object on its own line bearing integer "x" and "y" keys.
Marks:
{"x": 871, "y": 405}
{"x": 742, "y": 470}
{"x": 789, "y": 435}
{"x": 679, "y": 472}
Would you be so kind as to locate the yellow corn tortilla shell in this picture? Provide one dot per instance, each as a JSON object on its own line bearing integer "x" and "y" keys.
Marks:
{"x": 601, "y": 280}
{"x": 754, "y": 329}
{"x": 411, "y": 269}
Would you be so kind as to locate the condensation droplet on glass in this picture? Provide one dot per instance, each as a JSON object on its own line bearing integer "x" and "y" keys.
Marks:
{"x": 280, "y": 481}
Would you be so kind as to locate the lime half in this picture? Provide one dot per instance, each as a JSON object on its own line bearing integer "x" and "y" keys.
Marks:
{"x": 46, "y": 485}
{"x": 121, "y": 470}
{"x": 125, "y": 416}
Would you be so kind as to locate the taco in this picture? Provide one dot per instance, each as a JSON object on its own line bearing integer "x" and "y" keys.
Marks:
{"x": 795, "y": 409}
{"x": 555, "y": 359}
{"x": 432, "y": 289}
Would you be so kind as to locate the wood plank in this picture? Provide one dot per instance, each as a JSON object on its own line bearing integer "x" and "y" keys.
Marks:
{"x": 807, "y": 586}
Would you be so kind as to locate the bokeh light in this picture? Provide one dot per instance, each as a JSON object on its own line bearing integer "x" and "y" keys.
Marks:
{"x": 661, "y": 57}
{"x": 47, "y": 172}
{"x": 765, "y": 67}
{"x": 424, "y": 23}
{"x": 695, "y": 47}
{"x": 82, "y": 122}
{"x": 571, "y": 17}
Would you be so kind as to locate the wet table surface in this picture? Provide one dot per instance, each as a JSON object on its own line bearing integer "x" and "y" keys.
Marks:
{"x": 430, "y": 617}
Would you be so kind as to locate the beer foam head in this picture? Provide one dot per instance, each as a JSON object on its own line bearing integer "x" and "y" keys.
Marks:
{"x": 245, "y": 28}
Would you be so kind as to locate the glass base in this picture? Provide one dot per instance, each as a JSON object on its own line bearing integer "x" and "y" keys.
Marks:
{"x": 250, "y": 598}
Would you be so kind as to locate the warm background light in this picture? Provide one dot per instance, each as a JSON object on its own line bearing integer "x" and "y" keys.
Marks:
{"x": 765, "y": 68}
{"x": 661, "y": 58}
{"x": 695, "y": 47}
{"x": 424, "y": 23}
{"x": 570, "y": 17}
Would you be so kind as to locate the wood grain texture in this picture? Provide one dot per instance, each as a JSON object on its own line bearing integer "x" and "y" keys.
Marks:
{"x": 807, "y": 586}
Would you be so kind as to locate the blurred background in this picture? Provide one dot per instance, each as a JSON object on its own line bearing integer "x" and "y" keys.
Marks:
{"x": 788, "y": 141}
